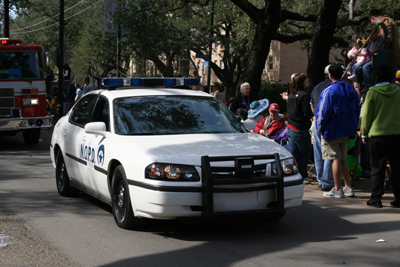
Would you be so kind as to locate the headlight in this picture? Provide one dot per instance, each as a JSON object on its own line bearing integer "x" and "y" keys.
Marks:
{"x": 171, "y": 172}
{"x": 30, "y": 101}
{"x": 289, "y": 167}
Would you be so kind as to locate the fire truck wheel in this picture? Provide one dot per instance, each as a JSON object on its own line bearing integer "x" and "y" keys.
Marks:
{"x": 31, "y": 136}
{"x": 121, "y": 203}
{"x": 62, "y": 178}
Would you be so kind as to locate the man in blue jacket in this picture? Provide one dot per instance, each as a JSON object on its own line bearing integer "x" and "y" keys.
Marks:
{"x": 337, "y": 120}
{"x": 323, "y": 167}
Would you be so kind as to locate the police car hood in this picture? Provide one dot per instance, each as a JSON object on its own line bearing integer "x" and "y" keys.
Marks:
{"x": 188, "y": 149}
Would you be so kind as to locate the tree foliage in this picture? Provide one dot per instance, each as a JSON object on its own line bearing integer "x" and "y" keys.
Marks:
{"x": 84, "y": 38}
{"x": 163, "y": 30}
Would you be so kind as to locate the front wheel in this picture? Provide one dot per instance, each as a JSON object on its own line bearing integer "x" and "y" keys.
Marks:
{"x": 62, "y": 178}
{"x": 121, "y": 203}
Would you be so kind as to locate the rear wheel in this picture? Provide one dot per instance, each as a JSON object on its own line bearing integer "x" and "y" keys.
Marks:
{"x": 31, "y": 136}
{"x": 121, "y": 203}
{"x": 62, "y": 178}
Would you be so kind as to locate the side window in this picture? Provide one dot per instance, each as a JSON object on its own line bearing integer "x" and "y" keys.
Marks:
{"x": 102, "y": 113}
{"x": 82, "y": 111}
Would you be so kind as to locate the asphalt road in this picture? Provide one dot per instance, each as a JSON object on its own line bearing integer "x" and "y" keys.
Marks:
{"x": 81, "y": 231}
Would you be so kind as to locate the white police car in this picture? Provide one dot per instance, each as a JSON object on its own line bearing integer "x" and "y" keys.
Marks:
{"x": 170, "y": 153}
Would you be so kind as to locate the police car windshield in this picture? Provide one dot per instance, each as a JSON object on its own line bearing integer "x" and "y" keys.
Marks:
{"x": 163, "y": 115}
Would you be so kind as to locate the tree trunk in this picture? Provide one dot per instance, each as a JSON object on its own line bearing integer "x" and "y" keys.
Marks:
{"x": 322, "y": 41}
{"x": 227, "y": 76}
{"x": 166, "y": 69}
{"x": 267, "y": 26}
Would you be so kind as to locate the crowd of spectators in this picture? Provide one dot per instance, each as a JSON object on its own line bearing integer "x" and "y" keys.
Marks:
{"x": 362, "y": 105}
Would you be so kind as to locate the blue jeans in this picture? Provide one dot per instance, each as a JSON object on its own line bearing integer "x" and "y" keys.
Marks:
{"x": 300, "y": 148}
{"x": 363, "y": 72}
{"x": 323, "y": 167}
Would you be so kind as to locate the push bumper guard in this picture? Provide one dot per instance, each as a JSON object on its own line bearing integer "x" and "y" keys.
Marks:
{"x": 244, "y": 174}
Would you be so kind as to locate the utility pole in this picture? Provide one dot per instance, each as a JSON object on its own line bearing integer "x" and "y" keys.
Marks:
{"x": 7, "y": 18}
{"x": 118, "y": 46}
{"x": 60, "y": 95}
{"x": 210, "y": 48}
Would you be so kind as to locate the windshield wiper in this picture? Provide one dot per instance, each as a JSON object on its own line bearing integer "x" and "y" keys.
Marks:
{"x": 29, "y": 81}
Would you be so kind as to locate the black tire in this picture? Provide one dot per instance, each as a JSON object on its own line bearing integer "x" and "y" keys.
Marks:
{"x": 62, "y": 178}
{"x": 277, "y": 216}
{"x": 121, "y": 203}
{"x": 31, "y": 136}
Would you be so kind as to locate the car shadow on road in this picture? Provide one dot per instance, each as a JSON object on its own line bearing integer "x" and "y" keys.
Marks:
{"x": 243, "y": 241}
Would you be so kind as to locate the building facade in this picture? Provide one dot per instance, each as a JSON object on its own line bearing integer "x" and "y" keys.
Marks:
{"x": 283, "y": 60}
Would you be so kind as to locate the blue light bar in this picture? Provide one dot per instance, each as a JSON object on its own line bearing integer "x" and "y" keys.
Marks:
{"x": 169, "y": 82}
{"x": 112, "y": 82}
{"x": 149, "y": 82}
{"x": 180, "y": 81}
{"x": 154, "y": 82}
{"x": 127, "y": 81}
{"x": 192, "y": 81}
{"x": 137, "y": 82}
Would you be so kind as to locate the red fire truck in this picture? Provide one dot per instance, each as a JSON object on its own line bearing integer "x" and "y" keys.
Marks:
{"x": 22, "y": 91}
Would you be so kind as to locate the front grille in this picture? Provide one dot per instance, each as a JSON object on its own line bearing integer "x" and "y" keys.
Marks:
{"x": 7, "y": 98}
{"x": 6, "y": 92}
{"x": 7, "y": 102}
{"x": 5, "y": 112}
{"x": 229, "y": 172}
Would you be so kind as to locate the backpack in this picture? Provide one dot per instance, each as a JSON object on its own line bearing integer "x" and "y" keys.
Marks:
{"x": 281, "y": 136}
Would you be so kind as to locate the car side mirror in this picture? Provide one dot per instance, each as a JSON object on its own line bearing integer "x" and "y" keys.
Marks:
{"x": 249, "y": 125}
{"x": 97, "y": 127}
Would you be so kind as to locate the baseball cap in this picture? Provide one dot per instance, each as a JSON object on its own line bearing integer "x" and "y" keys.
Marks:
{"x": 274, "y": 107}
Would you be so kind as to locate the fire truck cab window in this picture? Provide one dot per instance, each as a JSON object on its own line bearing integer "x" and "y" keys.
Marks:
{"x": 19, "y": 65}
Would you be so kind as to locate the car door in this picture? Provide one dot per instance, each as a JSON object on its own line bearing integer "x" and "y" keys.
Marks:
{"x": 96, "y": 151}
{"x": 75, "y": 148}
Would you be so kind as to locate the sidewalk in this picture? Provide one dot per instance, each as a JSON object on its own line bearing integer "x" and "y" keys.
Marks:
{"x": 362, "y": 189}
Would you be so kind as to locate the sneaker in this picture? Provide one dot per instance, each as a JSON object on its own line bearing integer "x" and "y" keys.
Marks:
{"x": 375, "y": 202}
{"x": 349, "y": 192}
{"x": 353, "y": 77}
{"x": 395, "y": 204}
{"x": 334, "y": 193}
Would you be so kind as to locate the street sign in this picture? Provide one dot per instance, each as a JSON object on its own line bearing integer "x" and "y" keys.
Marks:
{"x": 54, "y": 57}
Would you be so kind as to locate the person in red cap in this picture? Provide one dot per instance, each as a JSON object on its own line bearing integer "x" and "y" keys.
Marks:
{"x": 270, "y": 125}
